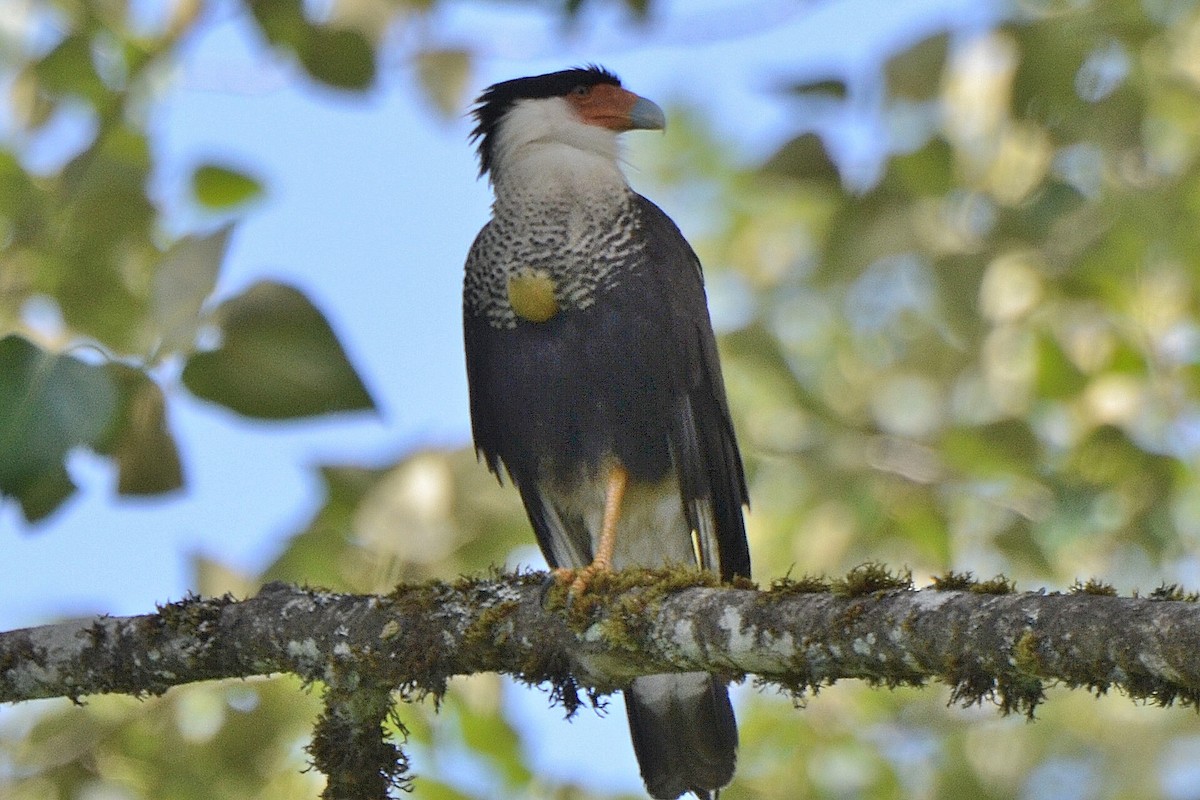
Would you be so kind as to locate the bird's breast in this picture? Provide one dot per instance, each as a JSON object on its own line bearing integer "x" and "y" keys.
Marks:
{"x": 531, "y": 264}
{"x": 532, "y": 294}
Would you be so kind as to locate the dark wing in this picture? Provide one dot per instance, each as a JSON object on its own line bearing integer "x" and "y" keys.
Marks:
{"x": 475, "y": 341}
{"x": 527, "y": 388}
{"x": 702, "y": 439}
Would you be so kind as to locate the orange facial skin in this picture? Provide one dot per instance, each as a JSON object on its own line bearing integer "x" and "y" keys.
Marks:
{"x": 607, "y": 106}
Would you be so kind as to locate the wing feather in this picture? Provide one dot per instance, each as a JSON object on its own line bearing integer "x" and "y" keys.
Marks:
{"x": 703, "y": 442}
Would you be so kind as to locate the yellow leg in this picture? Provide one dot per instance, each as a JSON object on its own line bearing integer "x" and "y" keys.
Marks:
{"x": 602, "y": 561}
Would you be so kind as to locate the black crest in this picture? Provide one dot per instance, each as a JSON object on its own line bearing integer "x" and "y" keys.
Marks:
{"x": 497, "y": 99}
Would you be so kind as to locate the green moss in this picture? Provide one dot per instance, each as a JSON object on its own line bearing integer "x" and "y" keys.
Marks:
{"x": 628, "y": 617}
{"x": 1015, "y": 690}
{"x": 741, "y": 582}
{"x": 1094, "y": 587}
{"x": 797, "y": 688}
{"x": 349, "y": 747}
{"x": 609, "y": 590}
{"x": 489, "y": 628}
{"x": 997, "y": 585}
{"x": 192, "y": 612}
{"x": 419, "y": 598}
{"x": 1161, "y": 693}
{"x": 1020, "y": 695}
{"x": 23, "y": 653}
{"x": 624, "y": 603}
{"x": 1026, "y": 656}
{"x": 870, "y": 578}
{"x": 1173, "y": 592}
{"x": 972, "y": 684}
{"x": 954, "y": 582}
{"x": 419, "y": 605}
{"x": 632, "y": 612}
{"x": 809, "y": 584}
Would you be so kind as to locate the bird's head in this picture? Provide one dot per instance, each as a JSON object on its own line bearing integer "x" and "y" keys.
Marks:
{"x": 583, "y": 108}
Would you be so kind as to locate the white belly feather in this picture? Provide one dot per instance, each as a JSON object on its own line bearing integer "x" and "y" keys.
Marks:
{"x": 652, "y": 532}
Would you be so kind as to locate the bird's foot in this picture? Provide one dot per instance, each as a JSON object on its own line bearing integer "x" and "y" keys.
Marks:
{"x": 584, "y": 576}
{"x": 578, "y": 579}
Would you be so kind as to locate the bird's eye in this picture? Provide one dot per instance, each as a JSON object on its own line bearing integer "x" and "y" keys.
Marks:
{"x": 581, "y": 91}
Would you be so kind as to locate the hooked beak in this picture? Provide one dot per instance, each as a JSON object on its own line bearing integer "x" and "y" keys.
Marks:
{"x": 646, "y": 115}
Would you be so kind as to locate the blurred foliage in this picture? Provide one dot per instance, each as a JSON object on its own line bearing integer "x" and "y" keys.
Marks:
{"x": 278, "y": 358}
{"x": 985, "y": 360}
{"x": 50, "y": 404}
{"x": 84, "y": 246}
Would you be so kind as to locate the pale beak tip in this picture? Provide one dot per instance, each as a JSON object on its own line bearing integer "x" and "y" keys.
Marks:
{"x": 646, "y": 115}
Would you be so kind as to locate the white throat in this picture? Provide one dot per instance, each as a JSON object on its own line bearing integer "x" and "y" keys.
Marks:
{"x": 543, "y": 149}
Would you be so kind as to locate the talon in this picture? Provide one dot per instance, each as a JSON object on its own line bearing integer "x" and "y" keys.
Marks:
{"x": 584, "y": 576}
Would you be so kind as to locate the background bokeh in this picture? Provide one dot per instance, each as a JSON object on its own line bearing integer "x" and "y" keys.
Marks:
{"x": 951, "y": 251}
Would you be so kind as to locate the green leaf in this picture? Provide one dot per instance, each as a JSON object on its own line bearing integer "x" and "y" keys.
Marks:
{"x": 339, "y": 57}
{"x": 487, "y": 733}
{"x": 43, "y": 493}
{"x": 828, "y": 88}
{"x": 140, "y": 443}
{"x": 432, "y": 789}
{"x": 929, "y": 170}
{"x": 1043, "y": 213}
{"x": 999, "y": 448}
{"x": 22, "y": 207}
{"x": 49, "y": 404}
{"x": 804, "y": 158}
{"x": 278, "y": 359}
{"x": 916, "y": 74}
{"x": 640, "y": 8}
{"x": 219, "y": 187}
{"x": 28, "y": 102}
{"x": 281, "y": 21}
{"x": 182, "y": 283}
{"x": 69, "y": 69}
{"x": 443, "y": 75}
{"x": 1107, "y": 456}
{"x": 1057, "y": 377}
{"x": 1023, "y": 544}
{"x": 101, "y": 256}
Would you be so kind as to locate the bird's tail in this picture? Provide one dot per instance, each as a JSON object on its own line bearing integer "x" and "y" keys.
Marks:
{"x": 684, "y": 733}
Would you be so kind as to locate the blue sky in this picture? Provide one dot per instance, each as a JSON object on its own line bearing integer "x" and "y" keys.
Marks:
{"x": 371, "y": 205}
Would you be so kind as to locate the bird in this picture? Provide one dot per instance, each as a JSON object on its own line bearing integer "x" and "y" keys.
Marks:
{"x": 595, "y": 384}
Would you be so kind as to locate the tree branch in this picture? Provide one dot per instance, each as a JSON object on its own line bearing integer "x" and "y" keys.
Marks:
{"x": 800, "y": 635}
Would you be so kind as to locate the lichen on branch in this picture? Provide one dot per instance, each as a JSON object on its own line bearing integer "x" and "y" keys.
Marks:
{"x": 987, "y": 641}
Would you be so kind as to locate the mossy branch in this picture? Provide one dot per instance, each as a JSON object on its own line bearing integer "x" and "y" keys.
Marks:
{"x": 984, "y": 640}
